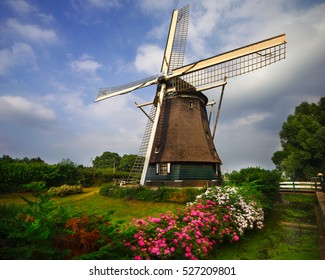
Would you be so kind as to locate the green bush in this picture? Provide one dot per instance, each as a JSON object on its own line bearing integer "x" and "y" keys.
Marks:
{"x": 264, "y": 181}
{"x": 16, "y": 174}
{"x": 30, "y": 232}
{"x": 64, "y": 190}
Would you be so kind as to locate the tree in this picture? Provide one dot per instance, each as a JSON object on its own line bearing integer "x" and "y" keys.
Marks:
{"x": 127, "y": 162}
{"x": 303, "y": 142}
{"x": 107, "y": 160}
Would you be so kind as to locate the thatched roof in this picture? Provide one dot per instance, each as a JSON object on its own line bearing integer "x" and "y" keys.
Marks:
{"x": 183, "y": 133}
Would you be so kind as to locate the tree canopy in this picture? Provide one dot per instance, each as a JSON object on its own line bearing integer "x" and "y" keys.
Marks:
{"x": 114, "y": 160}
{"x": 303, "y": 142}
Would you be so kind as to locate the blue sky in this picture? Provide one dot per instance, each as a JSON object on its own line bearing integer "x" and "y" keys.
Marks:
{"x": 54, "y": 55}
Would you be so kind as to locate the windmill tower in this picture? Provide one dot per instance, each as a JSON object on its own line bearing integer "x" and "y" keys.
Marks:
{"x": 177, "y": 148}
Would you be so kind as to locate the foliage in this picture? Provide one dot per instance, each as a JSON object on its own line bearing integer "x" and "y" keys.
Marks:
{"x": 65, "y": 172}
{"x": 220, "y": 214}
{"x": 303, "y": 142}
{"x": 115, "y": 162}
{"x": 29, "y": 232}
{"x": 263, "y": 181}
{"x": 106, "y": 160}
{"x": 43, "y": 231}
{"x": 16, "y": 173}
{"x": 64, "y": 190}
{"x": 127, "y": 162}
{"x": 85, "y": 234}
{"x": 161, "y": 194}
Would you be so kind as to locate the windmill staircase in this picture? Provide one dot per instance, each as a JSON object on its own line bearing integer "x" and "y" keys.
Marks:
{"x": 136, "y": 171}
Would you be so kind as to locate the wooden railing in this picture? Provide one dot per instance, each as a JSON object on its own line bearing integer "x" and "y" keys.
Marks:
{"x": 300, "y": 186}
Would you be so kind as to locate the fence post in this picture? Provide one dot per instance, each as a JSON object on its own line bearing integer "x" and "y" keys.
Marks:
{"x": 294, "y": 187}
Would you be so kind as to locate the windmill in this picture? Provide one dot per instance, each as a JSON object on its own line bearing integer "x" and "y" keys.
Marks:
{"x": 177, "y": 147}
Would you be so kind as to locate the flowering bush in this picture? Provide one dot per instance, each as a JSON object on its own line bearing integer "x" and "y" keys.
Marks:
{"x": 220, "y": 214}
{"x": 64, "y": 190}
{"x": 242, "y": 211}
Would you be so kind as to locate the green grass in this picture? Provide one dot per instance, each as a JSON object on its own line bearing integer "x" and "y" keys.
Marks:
{"x": 90, "y": 202}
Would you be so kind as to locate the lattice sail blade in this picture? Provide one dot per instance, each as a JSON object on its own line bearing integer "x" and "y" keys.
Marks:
{"x": 179, "y": 43}
{"x": 205, "y": 73}
{"x": 104, "y": 93}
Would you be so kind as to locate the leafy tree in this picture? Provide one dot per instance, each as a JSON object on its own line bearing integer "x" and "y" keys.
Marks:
{"x": 264, "y": 181}
{"x": 127, "y": 162}
{"x": 303, "y": 142}
{"x": 65, "y": 172}
{"x": 107, "y": 160}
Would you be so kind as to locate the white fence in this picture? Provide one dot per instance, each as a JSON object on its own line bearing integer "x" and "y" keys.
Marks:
{"x": 300, "y": 186}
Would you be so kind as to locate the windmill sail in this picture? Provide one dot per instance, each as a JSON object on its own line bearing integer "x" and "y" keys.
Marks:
{"x": 205, "y": 73}
{"x": 179, "y": 44}
{"x": 104, "y": 93}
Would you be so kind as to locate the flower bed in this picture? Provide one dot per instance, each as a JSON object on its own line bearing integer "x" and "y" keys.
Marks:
{"x": 220, "y": 214}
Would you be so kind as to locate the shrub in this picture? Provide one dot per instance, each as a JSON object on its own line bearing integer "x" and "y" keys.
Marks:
{"x": 220, "y": 214}
{"x": 264, "y": 181}
{"x": 30, "y": 232}
{"x": 81, "y": 235}
{"x": 64, "y": 190}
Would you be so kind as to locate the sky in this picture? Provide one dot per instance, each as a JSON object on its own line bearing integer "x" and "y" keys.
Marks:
{"x": 56, "y": 54}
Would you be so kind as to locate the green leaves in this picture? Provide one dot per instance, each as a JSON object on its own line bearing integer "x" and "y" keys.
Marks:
{"x": 303, "y": 142}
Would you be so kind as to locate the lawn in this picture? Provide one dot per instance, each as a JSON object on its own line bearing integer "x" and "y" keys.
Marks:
{"x": 90, "y": 202}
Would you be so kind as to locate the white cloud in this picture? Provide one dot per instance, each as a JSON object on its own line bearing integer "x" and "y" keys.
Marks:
{"x": 24, "y": 111}
{"x": 103, "y": 3}
{"x": 85, "y": 64}
{"x": 31, "y": 31}
{"x": 250, "y": 119}
{"x": 19, "y": 55}
{"x": 149, "y": 59}
{"x": 22, "y": 7}
{"x": 149, "y": 5}
{"x": 87, "y": 5}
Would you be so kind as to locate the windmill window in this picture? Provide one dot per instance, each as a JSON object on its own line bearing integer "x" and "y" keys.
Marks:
{"x": 157, "y": 149}
{"x": 163, "y": 168}
{"x": 191, "y": 104}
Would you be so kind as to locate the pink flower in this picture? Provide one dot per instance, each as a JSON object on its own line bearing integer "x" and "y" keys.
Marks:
{"x": 167, "y": 251}
{"x": 137, "y": 258}
{"x": 154, "y": 250}
{"x": 236, "y": 238}
{"x": 141, "y": 243}
{"x": 185, "y": 219}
